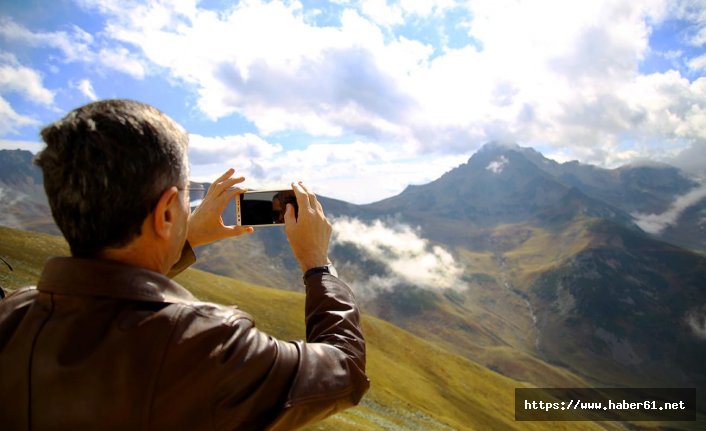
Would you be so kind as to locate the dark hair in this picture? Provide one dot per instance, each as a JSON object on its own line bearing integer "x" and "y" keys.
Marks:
{"x": 105, "y": 166}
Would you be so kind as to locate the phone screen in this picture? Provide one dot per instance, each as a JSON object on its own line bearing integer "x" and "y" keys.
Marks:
{"x": 264, "y": 208}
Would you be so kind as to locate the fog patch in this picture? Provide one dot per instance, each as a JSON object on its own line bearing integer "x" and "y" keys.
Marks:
{"x": 656, "y": 223}
{"x": 696, "y": 321}
{"x": 8, "y": 201}
{"x": 391, "y": 254}
{"x": 497, "y": 166}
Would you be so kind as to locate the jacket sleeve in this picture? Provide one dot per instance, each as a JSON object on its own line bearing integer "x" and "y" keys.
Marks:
{"x": 330, "y": 375}
{"x": 219, "y": 364}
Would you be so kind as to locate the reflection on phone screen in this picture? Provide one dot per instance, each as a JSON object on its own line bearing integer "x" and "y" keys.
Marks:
{"x": 266, "y": 208}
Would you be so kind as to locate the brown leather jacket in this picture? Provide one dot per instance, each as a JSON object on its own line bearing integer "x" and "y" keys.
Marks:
{"x": 100, "y": 345}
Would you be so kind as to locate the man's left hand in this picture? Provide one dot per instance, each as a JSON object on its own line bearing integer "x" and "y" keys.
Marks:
{"x": 205, "y": 223}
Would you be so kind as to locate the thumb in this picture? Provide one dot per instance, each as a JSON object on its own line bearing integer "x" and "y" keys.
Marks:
{"x": 239, "y": 230}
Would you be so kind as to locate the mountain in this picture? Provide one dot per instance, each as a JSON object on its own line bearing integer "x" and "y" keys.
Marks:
{"x": 634, "y": 306}
{"x": 548, "y": 249}
{"x": 647, "y": 191}
{"x": 505, "y": 183}
{"x": 502, "y": 257}
{"x": 500, "y": 184}
{"x": 415, "y": 384}
{"x": 23, "y": 203}
{"x": 689, "y": 228}
{"x": 16, "y": 169}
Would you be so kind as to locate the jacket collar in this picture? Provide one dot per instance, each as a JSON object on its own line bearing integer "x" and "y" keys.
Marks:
{"x": 107, "y": 278}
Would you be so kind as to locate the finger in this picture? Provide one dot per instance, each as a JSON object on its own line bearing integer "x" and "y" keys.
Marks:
{"x": 219, "y": 188}
{"x": 302, "y": 198}
{"x": 313, "y": 200}
{"x": 289, "y": 217}
{"x": 227, "y": 184}
{"x": 235, "y": 180}
{"x": 218, "y": 185}
{"x": 319, "y": 208}
{"x": 224, "y": 198}
{"x": 225, "y": 175}
{"x": 310, "y": 195}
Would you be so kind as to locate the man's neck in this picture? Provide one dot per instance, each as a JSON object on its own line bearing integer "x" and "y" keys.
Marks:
{"x": 136, "y": 253}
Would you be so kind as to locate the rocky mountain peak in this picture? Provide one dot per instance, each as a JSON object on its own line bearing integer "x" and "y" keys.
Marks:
{"x": 16, "y": 168}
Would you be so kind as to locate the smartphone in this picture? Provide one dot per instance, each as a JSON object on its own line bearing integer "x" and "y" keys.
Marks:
{"x": 264, "y": 207}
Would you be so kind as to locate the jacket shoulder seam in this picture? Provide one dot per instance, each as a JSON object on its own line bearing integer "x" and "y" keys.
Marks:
{"x": 234, "y": 316}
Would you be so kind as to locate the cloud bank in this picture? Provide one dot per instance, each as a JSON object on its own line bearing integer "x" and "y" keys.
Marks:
{"x": 357, "y": 172}
{"x": 401, "y": 255}
{"x": 553, "y": 72}
{"x": 399, "y": 81}
{"x": 696, "y": 321}
{"x": 656, "y": 223}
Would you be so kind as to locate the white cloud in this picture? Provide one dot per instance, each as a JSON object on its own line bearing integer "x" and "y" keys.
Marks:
{"x": 86, "y": 88}
{"x": 555, "y": 72}
{"x": 408, "y": 258}
{"x": 122, "y": 60}
{"x": 497, "y": 166}
{"x": 698, "y": 64}
{"x": 696, "y": 320}
{"x": 11, "y": 121}
{"x": 691, "y": 159}
{"x": 390, "y": 13}
{"x": 23, "y": 80}
{"x": 359, "y": 172}
{"x": 380, "y": 12}
{"x": 694, "y": 13}
{"x": 562, "y": 74}
{"x": 276, "y": 69}
{"x": 76, "y": 45}
{"x": 656, "y": 223}
{"x": 425, "y": 8}
{"x": 230, "y": 149}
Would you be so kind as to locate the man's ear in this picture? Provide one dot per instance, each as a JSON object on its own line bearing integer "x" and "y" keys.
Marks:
{"x": 164, "y": 214}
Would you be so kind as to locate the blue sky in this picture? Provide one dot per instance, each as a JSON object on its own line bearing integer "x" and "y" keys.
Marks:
{"x": 361, "y": 98}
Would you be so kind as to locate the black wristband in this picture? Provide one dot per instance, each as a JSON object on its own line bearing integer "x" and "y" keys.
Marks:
{"x": 316, "y": 270}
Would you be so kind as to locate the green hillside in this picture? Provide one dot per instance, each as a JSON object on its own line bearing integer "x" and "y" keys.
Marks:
{"x": 416, "y": 385}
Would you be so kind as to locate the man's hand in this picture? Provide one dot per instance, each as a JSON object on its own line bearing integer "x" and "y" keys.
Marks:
{"x": 308, "y": 233}
{"x": 205, "y": 223}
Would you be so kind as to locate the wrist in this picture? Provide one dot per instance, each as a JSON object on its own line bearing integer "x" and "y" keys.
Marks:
{"x": 325, "y": 269}
{"x": 314, "y": 263}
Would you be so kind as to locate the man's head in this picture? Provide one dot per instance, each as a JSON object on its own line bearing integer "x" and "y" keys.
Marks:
{"x": 106, "y": 167}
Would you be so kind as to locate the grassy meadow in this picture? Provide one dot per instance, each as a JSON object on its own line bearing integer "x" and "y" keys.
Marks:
{"x": 416, "y": 384}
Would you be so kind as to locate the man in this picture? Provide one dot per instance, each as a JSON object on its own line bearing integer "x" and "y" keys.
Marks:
{"x": 107, "y": 342}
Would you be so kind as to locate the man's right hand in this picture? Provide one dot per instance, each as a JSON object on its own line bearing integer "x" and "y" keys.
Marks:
{"x": 310, "y": 232}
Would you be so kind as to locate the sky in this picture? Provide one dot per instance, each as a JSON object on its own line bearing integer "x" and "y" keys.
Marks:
{"x": 361, "y": 98}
